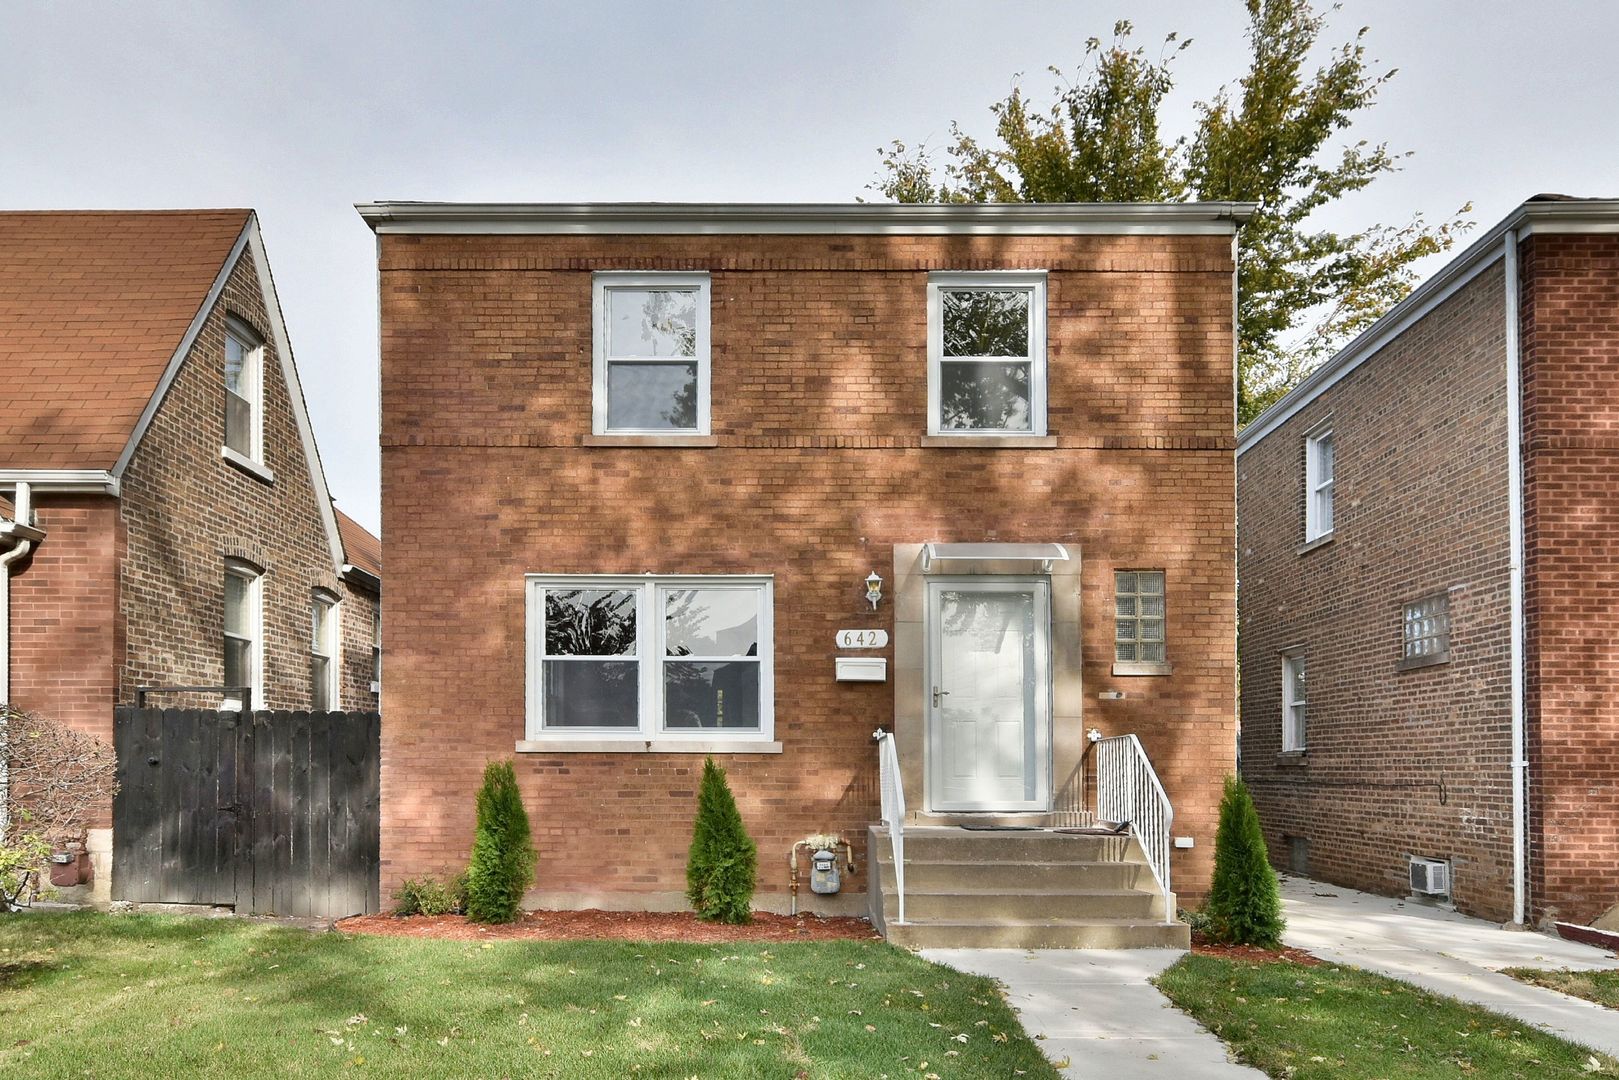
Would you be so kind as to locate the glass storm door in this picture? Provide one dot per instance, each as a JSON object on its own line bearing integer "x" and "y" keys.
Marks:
{"x": 989, "y": 694}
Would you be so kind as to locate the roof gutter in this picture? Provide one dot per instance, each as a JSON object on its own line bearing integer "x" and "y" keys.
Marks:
{"x": 62, "y": 481}
{"x": 17, "y": 537}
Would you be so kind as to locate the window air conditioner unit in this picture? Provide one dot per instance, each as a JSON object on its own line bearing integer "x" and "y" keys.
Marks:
{"x": 1429, "y": 877}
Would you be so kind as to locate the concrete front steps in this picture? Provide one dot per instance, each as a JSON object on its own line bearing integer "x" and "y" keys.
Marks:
{"x": 972, "y": 889}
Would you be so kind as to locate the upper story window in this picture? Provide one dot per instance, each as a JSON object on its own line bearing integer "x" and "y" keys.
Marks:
{"x": 376, "y": 650}
{"x": 244, "y": 376}
{"x": 1318, "y": 463}
{"x": 1425, "y": 634}
{"x": 1138, "y": 639}
{"x": 1294, "y": 701}
{"x": 651, "y": 354}
{"x": 322, "y": 651}
{"x": 650, "y": 657}
{"x": 243, "y": 639}
{"x": 987, "y": 353}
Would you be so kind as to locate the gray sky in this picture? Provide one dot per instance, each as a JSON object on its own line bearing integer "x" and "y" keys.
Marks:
{"x": 302, "y": 109}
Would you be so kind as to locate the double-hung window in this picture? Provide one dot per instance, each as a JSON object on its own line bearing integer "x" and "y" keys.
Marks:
{"x": 1318, "y": 462}
{"x": 650, "y": 658}
{"x": 1425, "y": 632}
{"x": 322, "y": 651}
{"x": 651, "y": 354}
{"x": 1294, "y": 701}
{"x": 243, "y": 633}
{"x": 376, "y": 650}
{"x": 987, "y": 353}
{"x": 244, "y": 375}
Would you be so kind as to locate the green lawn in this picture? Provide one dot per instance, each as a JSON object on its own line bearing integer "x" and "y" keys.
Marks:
{"x": 1329, "y": 1021}
{"x": 144, "y": 996}
{"x": 1601, "y": 987}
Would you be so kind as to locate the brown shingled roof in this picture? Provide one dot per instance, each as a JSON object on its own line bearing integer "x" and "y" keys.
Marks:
{"x": 93, "y": 305}
{"x": 360, "y": 548}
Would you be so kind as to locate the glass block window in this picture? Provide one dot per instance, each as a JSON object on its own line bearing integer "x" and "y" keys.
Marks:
{"x": 1425, "y": 635}
{"x": 1138, "y": 596}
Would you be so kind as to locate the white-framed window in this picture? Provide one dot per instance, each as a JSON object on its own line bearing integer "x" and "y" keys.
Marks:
{"x": 651, "y": 353}
{"x": 1294, "y": 701}
{"x": 243, "y": 645}
{"x": 987, "y": 353}
{"x": 244, "y": 377}
{"x": 650, "y": 657}
{"x": 1425, "y": 631}
{"x": 376, "y": 649}
{"x": 1318, "y": 463}
{"x": 1139, "y": 611}
{"x": 322, "y": 651}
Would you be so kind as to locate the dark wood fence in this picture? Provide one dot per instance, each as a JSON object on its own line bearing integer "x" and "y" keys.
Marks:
{"x": 273, "y": 813}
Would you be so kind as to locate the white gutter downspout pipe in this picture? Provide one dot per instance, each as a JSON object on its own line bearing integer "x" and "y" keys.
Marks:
{"x": 1520, "y": 763}
{"x": 23, "y": 514}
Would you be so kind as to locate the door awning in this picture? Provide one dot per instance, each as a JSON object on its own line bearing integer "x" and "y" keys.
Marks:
{"x": 1044, "y": 554}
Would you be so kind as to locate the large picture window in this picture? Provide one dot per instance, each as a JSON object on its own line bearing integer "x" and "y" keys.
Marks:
{"x": 987, "y": 353}
{"x": 651, "y": 354}
{"x": 649, "y": 657}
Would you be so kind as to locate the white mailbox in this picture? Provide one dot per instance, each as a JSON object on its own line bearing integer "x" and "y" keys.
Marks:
{"x": 861, "y": 669}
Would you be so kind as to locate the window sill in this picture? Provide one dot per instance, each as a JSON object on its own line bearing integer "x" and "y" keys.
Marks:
{"x": 247, "y": 465}
{"x": 1416, "y": 663}
{"x": 687, "y": 442}
{"x": 654, "y": 746}
{"x": 1293, "y": 757}
{"x": 1138, "y": 668}
{"x": 1310, "y": 545}
{"x": 989, "y": 442}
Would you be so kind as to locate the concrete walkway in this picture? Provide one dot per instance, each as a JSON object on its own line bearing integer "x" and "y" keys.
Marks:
{"x": 1096, "y": 1009}
{"x": 1449, "y": 954}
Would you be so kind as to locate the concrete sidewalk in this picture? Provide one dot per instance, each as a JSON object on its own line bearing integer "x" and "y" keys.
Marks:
{"x": 1449, "y": 954}
{"x": 1096, "y": 1009}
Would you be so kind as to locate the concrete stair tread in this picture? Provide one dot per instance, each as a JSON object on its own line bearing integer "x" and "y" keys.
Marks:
{"x": 1047, "y": 890}
{"x": 1089, "y": 920}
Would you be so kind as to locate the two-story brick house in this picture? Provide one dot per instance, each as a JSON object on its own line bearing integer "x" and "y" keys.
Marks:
{"x": 644, "y": 465}
{"x": 167, "y": 520}
{"x": 1427, "y": 565}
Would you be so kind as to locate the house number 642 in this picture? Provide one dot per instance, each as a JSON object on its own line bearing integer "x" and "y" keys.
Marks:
{"x": 862, "y": 639}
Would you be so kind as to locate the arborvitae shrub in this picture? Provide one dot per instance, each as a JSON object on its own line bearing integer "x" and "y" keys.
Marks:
{"x": 724, "y": 861}
{"x": 1245, "y": 904}
{"x": 503, "y": 855}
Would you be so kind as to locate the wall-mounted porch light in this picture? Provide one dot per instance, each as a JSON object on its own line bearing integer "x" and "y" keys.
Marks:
{"x": 874, "y": 589}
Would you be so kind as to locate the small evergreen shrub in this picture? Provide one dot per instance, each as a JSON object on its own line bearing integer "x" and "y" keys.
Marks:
{"x": 503, "y": 856}
{"x": 724, "y": 861}
{"x": 1245, "y": 904}
{"x": 432, "y": 896}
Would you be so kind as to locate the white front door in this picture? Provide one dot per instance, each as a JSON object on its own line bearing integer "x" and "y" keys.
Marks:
{"x": 989, "y": 693}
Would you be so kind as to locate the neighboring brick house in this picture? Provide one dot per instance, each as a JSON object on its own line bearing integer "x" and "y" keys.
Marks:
{"x": 1395, "y": 665}
{"x": 154, "y": 441}
{"x": 639, "y": 462}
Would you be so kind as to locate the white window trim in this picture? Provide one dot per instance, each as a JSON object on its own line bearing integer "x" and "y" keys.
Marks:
{"x": 376, "y": 650}
{"x": 1314, "y": 485}
{"x": 649, "y": 632}
{"x": 334, "y": 659}
{"x": 601, "y": 283}
{"x": 1032, "y": 280}
{"x": 255, "y": 616}
{"x": 254, "y": 460}
{"x": 1294, "y": 741}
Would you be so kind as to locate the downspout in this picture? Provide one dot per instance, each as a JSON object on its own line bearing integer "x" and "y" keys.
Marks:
{"x": 1520, "y": 763}
{"x": 22, "y": 512}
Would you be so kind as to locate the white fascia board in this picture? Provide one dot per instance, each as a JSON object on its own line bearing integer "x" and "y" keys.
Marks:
{"x": 1062, "y": 219}
{"x": 354, "y": 575}
{"x": 63, "y": 481}
{"x": 1572, "y": 216}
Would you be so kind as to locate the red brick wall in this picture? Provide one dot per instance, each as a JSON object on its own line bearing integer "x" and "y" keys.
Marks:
{"x": 819, "y": 391}
{"x": 1399, "y": 763}
{"x": 1570, "y": 318}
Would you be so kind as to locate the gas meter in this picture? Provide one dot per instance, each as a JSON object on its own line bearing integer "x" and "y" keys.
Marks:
{"x": 824, "y": 877}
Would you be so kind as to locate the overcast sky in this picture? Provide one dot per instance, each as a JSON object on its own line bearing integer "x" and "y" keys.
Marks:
{"x": 302, "y": 109}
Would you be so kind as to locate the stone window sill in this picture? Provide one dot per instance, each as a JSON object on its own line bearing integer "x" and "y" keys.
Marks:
{"x": 1293, "y": 757}
{"x": 247, "y": 465}
{"x": 989, "y": 442}
{"x": 654, "y": 746}
{"x": 1416, "y": 663}
{"x": 686, "y": 442}
{"x": 1138, "y": 668}
{"x": 1310, "y": 545}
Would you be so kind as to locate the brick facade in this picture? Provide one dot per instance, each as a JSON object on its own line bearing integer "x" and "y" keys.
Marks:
{"x": 820, "y": 468}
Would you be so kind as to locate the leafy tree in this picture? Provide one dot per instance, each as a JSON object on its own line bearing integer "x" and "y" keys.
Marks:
{"x": 1245, "y": 904}
{"x": 1303, "y": 290}
{"x": 503, "y": 856}
{"x": 723, "y": 864}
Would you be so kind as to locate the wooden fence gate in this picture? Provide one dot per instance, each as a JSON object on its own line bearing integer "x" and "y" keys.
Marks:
{"x": 272, "y": 813}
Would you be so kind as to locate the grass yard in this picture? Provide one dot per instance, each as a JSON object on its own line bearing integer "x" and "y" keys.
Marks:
{"x": 1601, "y": 987}
{"x": 1328, "y": 1021}
{"x": 142, "y": 996}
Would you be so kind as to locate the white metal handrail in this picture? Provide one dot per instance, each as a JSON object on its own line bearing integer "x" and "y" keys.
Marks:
{"x": 893, "y": 805}
{"x": 1128, "y": 793}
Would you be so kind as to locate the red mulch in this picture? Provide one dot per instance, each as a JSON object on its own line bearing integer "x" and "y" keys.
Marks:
{"x": 1251, "y": 954}
{"x": 615, "y": 925}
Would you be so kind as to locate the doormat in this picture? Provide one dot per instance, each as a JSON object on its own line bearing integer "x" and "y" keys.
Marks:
{"x": 1003, "y": 828}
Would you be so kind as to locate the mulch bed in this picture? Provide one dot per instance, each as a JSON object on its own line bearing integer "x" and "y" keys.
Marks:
{"x": 1251, "y": 954}
{"x": 589, "y": 925}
